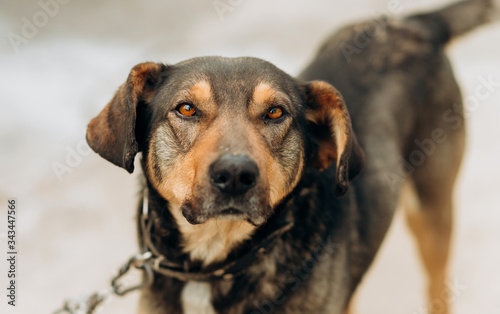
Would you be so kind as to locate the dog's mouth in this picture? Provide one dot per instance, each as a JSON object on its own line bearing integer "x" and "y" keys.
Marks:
{"x": 230, "y": 212}
{"x": 194, "y": 216}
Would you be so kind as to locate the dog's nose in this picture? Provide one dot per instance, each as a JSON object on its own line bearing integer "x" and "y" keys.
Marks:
{"x": 234, "y": 174}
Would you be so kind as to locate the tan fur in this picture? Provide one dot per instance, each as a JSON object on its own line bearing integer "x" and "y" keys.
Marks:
{"x": 331, "y": 111}
{"x": 271, "y": 170}
{"x": 264, "y": 96}
{"x": 138, "y": 76}
{"x": 98, "y": 128}
{"x": 177, "y": 182}
{"x": 200, "y": 94}
{"x": 433, "y": 240}
{"x": 263, "y": 93}
{"x": 213, "y": 240}
{"x": 201, "y": 91}
{"x": 278, "y": 181}
{"x": 351, "y": 308}
{"x": 341, "y": 133}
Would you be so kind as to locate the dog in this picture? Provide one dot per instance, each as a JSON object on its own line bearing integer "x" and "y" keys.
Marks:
{"x": 269, "y": 193}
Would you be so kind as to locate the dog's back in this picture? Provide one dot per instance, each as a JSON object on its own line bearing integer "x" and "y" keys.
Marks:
{"x": 407, "y": 113}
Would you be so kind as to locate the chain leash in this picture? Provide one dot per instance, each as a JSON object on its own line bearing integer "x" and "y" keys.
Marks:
{"x": 90, "y": 304}
{"x": 152, "y": 261}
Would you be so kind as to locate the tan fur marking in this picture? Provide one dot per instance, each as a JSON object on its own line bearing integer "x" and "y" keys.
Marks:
{"x": 213, "y": 240}
{"x": 178, "y": 182}
{"x": 269, "y": 168}
{"x": 433, "y": 240}
{"x": 340, "y": 131}
{"x": 331, "y": 111}
{"x": 98, "y": 127}
{"x": 262, "y": 93}
{"x": 201, "y": 92}
{"x": 263, "y": 96}
{"x": 176, "y": 185}
{"x": 138, "y": 77}
{"x": 277, "y": 182}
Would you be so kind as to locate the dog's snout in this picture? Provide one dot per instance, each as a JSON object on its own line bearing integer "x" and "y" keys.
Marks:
{"x": 234, "y": 174}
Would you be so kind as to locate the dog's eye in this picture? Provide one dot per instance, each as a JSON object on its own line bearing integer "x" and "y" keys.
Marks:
{"x": 275, "y": 113}
{"x": 186, "y": 110}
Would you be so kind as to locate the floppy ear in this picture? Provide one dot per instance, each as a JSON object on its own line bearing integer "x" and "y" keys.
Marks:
{"x": 112, "y": 133}
{"x": 329, "y": 126}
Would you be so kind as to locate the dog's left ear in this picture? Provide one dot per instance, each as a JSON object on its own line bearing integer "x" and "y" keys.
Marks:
{"x": 329, "y": 126}
{"x": 112, "y": 134}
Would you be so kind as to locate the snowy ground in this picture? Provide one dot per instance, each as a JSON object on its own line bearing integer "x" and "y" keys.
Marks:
{"x": 76, "y": 229}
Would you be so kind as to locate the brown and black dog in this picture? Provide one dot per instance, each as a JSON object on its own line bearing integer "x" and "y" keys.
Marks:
{"x": 233, "y": 150}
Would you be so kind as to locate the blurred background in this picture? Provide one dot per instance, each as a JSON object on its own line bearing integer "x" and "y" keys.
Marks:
{"x": 76, "y": 211}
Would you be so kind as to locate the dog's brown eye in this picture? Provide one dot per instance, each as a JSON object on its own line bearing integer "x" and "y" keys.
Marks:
{"x": 186, "y": 110}
{"x": 275, "y": 113}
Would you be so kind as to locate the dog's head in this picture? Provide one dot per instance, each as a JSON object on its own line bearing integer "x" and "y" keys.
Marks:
{"x": 226, "y": 138}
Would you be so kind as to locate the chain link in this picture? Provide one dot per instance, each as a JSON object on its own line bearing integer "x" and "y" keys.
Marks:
{"x": 90, "y": 304}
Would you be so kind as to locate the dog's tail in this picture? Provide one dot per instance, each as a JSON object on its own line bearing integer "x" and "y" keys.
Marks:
{"x": 457, "y": 19}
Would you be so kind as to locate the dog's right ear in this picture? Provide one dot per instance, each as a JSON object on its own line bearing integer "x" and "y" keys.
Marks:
{"x": 112, "y": 133}
{"x": 330, "y": 128}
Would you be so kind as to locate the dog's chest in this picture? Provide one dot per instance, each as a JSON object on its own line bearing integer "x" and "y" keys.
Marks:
{"x": 196, "y": 298}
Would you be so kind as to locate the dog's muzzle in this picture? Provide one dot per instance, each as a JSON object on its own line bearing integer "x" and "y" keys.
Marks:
{"x": 234, "y": 192}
